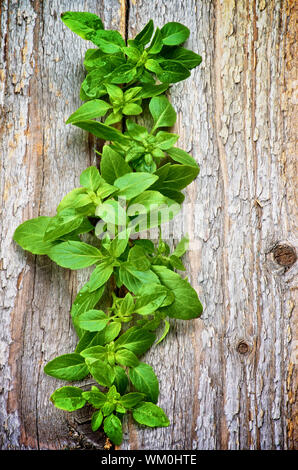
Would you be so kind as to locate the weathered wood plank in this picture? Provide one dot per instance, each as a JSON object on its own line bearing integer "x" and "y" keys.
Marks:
{"x": 227, "y": 380}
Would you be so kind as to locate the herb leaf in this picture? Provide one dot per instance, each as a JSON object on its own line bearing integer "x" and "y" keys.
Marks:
{"x": 91, "y": 109}
{"x": 145, "y": 381}
{"x": 82, "y": 23}
{"x": 133, "y": 184}
{"x": 162, "y": 112}
{"x": 150, "y": 414}
{"x": 75, "y": 255}
{"x": 113, "y": 428}
{"x": 30, "y": 235}
{"x": 68, "y": 398}
{"x": 137, "y": 340}
{"x": 186, "y": 304}
{"x": 144, "y": 36}
{"x": 92, "y": 320}
{"x": 174, "y": 33}
{"x": 112, "y": 165}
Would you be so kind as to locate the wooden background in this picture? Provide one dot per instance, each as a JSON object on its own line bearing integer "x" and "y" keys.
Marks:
{"x": 228, "y": 379}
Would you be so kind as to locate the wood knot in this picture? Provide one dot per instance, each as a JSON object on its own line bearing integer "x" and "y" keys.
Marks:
{"x": 284, "y": 255}
{"x": 242, "y": 347}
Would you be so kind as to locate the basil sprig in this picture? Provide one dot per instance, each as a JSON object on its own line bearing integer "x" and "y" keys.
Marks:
{"x": 140, "y": 171}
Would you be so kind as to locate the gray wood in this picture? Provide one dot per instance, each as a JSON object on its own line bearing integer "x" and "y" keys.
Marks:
{"x": 227, "y": 380}
{"x": 42, "y": 158}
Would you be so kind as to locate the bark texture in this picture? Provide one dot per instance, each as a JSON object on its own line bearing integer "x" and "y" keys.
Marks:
{"x": 227, "y": 380}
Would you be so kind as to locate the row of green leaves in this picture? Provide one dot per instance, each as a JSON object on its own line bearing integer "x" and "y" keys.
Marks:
{"x": 140, "y": 171}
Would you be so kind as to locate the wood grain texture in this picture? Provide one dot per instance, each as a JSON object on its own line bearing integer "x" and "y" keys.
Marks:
{"x": 227, "y": 380}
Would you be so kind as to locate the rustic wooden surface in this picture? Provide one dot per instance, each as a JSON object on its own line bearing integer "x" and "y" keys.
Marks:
{"x": 227, "y": 380}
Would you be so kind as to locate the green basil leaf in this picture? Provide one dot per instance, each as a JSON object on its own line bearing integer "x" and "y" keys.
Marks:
{"x": 85, "y": 339}
{"x": 148, "y": 90}
{"x": 153, "y": 66}
{"x": 132, "y": 53}
{"x": 181, "y": 247}
{"x": 114, "y": 92}
{"x": 75, "y": 199}
{"x": 151, "y": 214}
{"x": 130, "y": 400}
{"x": 174, "y": 33}
{"x": 175, "y": 176}
{"x": 101, "y": 372}
{"x": 165, "y": 331}
{"x": 96, "y": 420}
{"x": 101, "y": 131}
{"x": 162, "y": 112}
{"x": 145, "y": 381}
{"x": 85, "y": 227}
{"x": 84, "y": 301}
{"x": 67, "y": 367}
{"x": 93, "y": 58}
{"x": 123, "y": 74}
{"x": 146, "y": 202}
{"x": 181, "y": 156}
{"x": 121, "y": 380}
{"x": 137, "y": 340}
{"x": 30, "y": 235}
{"x": 127, "y": 304}
{"x": 90, "y": 178}
{"x": 65, "y": 222}
{"x": 135, "y": 131}
{"x": 104, "y": 63}
{"x": 113, "y": 118}
{"x": 126, "y": 358}
{"x": 137, "y": 258}
{"x": 132, "y": 109}
{"x": 147, "y": 245}
{"x": 186, "y": 304}
{"x": 186, "y": 57}
{"x": 100, "y": 276}
{"x": 96, "y": 352}
{"x": 156, "y": 43}
{"x": 176, "y": 263}
{"x": 151, "y": 298}
{"x": 108, "y": 408}
{"x": 90, "y": 110}
{"x": 94, "y": 84}
{"x": 144, "y": 36}
{"x": 108, "y": 334}
{"x": 92, "y": 320}
{"x": 148, "y": 414}
{"x": 109, "y": 42}
{"x": 113, "y": 428}
{"x": 111, "y": 211}
{"x": 172, "y": 71}
{"x": 82, "y": 23}
{"x": 165, "y": 140}
{"x": 75, "y": 255}
{"x": 173, "y": 195}
{"x": 68, "y": 398}
{"x": 132, "y": 184}
{"x": 119, "y": 244}
{"x": 132, "y": 94}
{"x": 105, "y": 189}
{"x": 112, "y": 165}
{"x": 113, "y": 394}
